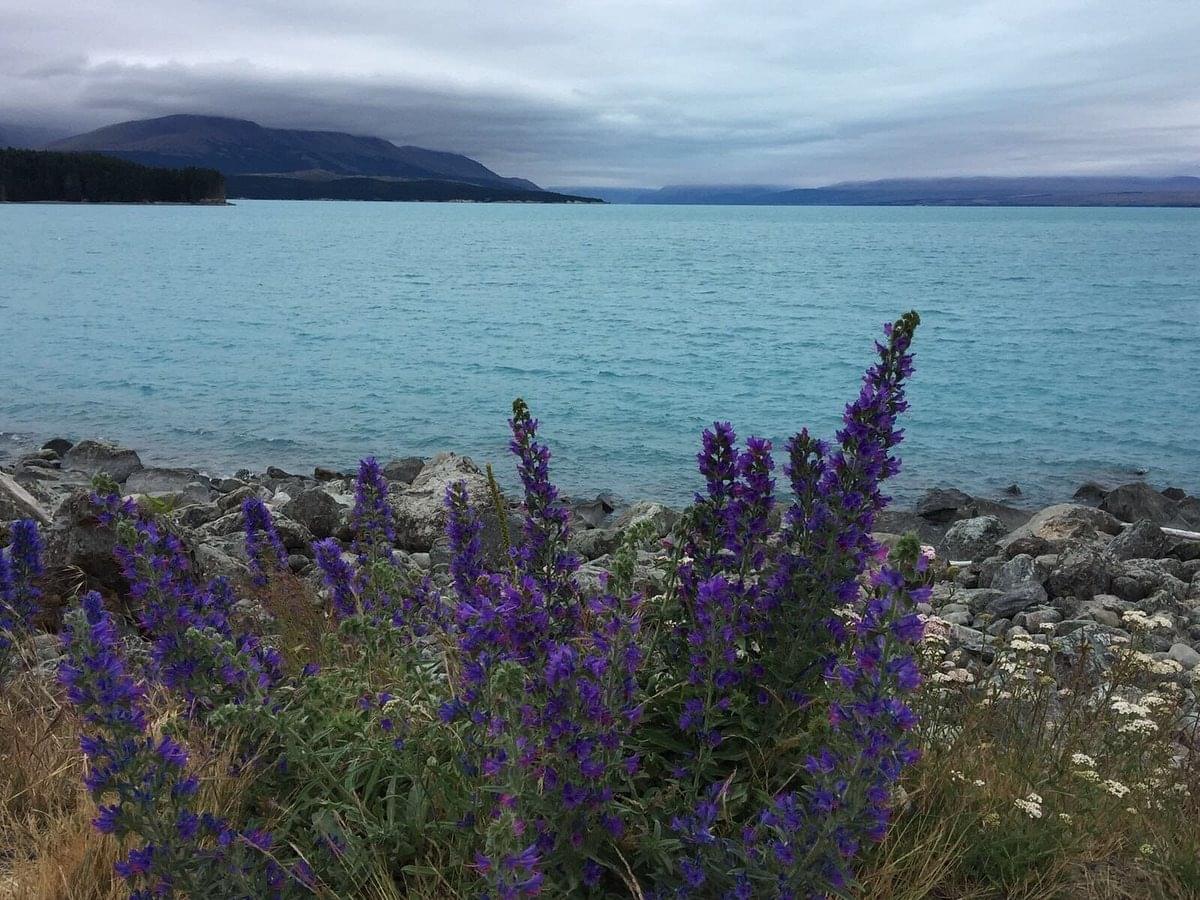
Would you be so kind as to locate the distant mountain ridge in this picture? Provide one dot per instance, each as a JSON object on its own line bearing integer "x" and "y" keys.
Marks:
{"x": 1076, "y": 190}
{"x": 242, "y": 147}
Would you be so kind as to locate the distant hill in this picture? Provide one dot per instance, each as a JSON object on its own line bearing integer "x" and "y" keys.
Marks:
{"x": 240, "y": 147}
{"x": 30, "y": 176}
{"x": 26, "y": 137}
{"x": 277, "y": 187}
{"x": 966, "y": 191}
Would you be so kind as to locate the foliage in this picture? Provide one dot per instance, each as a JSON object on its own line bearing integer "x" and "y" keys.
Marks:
{"x": 41, "y": 175}
{"x": 739, "y": 734}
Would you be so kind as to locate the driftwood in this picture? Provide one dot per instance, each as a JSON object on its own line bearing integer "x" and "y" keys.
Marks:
{"x": 22, "y": 499}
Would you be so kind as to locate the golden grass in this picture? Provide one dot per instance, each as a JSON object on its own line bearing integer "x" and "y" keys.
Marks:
{"x": 50, "y": 850}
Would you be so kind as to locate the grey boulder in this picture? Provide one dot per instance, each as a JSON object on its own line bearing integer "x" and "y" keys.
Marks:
{"x": 315, "y": 509}
{"x": 972, "y": 538}
{"x": 98, "y": 457}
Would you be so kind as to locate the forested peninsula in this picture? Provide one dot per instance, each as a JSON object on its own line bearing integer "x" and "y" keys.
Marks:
{"x": 31, "y": 176}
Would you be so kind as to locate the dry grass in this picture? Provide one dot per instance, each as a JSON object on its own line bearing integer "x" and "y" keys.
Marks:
{"x": 51, "y": 851}
{"x": 300, "y": 624}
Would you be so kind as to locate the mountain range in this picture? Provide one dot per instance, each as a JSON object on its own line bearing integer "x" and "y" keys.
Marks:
{"x": 286, "y": 163}
{"x": 1068, "y": 190}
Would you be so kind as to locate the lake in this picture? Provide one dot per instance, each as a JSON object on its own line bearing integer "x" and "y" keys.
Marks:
{"x": 1057, "y": 345}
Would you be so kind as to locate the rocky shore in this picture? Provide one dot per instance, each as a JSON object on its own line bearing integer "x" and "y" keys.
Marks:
{"x": 1073, "y": 575}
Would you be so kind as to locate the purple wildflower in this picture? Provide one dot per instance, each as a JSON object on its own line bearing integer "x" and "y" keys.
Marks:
{"x": 263, "y": 545}
{"x": 372, "y": 518}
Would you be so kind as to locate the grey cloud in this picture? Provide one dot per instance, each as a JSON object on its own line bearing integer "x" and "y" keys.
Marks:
{"x": 648, "y": 92}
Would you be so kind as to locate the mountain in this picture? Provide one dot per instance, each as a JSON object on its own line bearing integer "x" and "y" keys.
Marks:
{"x": 280, "y": 187}
{"x": 240, "y": 147}
{"x": 965, "y": 191}
{"x": 27, "y": 137}
{"x": 1079, "y": 190}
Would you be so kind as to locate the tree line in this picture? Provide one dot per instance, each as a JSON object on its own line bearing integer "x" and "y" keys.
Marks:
{"x": 41, "y": 175}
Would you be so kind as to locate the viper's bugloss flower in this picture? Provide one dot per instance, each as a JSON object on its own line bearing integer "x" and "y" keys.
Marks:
{"x": 543, "y": 553}
{"x": 465, "y": 533}
{"x": 805, "y": 631}
{"x": 194, "y": 651}
{"x": 372, "y": 519}
{"x": 140, "y": 782}
{"x": 20, "y": 568}
{"x": 338, "y": 577}
{"x": 264, "y": 548}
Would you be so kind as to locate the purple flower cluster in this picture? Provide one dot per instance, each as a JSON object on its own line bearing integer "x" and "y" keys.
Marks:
{"x": 372, "y": 518}
{"x": 827, "y": 530}
{"x": 141, "y": 785}
{"x": 548, "y": 688}
{"x": 264, "y": 549}
{"x": 20, "y": 567}
{"x": 338, "y": 576}
{"x": 776, "y": 724}
{"x": 809, "y": 839}
{"x": 195, "y": 650}
{"x": 542, "y": 554}
{"x": 719, "y": 589}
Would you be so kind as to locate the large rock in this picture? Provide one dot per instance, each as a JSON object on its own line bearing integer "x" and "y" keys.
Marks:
{"x": 1018, "y": 571}
{"x": 1136, "y": 501}
{"x": 942, "y": 505}
{"x": 420, "y": 509}
{"x": 293, "y": 535}
{"x": 1083, "y": 571}
{"x": 405, "y": 469}
{"x": 591, "y": 513}
{"x": 1091, "y": 493}
{"x": 1136, "y": 579}
{"x": 972, "y": 538}
{"x": 1018, "y": 599}
{"x": 1141, "y": 540}
{"x": 1184, "y": 655}
{"x": 58, "y": 445}
{"x": 595, "y": 542}
{"x": 98, "y": 457}
{"x": 167, "y": 481}
{"x": 1051, "y": 529}
{"x": 77, "y": 540}
{"x": 661, "y": 518}
{"x": 316, "y": 510}
{"x": 1105, "y": 609}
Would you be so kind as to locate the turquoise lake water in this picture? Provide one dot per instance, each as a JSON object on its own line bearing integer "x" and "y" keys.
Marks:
{"x": 1057, "y": 344}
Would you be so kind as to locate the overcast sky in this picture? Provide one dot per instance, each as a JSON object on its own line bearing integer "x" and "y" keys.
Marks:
{"x": 646, "y": 92}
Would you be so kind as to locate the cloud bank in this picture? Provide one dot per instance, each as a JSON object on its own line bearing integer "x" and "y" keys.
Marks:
{"x": 613, "y": 92}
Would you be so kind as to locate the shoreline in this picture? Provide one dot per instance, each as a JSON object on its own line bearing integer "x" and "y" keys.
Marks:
{"x": 1068, "y": 573}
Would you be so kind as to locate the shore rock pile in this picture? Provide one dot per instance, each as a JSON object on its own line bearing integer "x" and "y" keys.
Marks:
{"x": 1070, "y": 574}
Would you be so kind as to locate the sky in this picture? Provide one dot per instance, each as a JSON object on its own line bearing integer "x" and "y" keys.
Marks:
{"x": 646, "y": 92}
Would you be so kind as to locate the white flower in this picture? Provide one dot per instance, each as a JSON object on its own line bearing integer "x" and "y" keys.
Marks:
{"x": 1165, "y": 667}
{"x": 1082, "y": 759}
{"x": 979, "y": 782}
{"x": 1146, "y": 850}
{"x": 1115, "y": 788}
{"x": 1031, "y": 806}
{"x": 1125, "y": 708}
{"x": 1066, "y": 817}
{"x": 954, "y": 676}
{"x": 1138, "y": 726}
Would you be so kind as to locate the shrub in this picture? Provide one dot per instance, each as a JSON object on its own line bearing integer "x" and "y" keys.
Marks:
{"x": 740, "y": 733}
